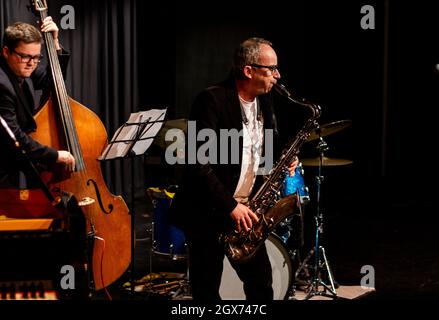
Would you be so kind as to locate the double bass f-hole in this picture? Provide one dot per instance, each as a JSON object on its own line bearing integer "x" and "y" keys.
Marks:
{"x": 98, "y": 195}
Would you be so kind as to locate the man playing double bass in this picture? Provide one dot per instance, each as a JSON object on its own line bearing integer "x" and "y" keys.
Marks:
{"x": 20, "y": 75}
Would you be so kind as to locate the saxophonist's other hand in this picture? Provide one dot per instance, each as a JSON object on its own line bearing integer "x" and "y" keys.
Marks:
{"x": 243, "y": 216}
{"x": 292, "y": 167}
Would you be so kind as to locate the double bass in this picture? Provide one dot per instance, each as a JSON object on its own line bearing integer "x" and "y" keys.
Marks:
{"x": 65, "y": 124}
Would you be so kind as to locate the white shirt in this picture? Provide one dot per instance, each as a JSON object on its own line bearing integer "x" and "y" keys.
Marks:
{"x": 252, "y": 147}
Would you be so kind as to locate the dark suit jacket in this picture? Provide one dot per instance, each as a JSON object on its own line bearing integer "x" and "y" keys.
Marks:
{"x": 17, "y": 107}
{"x": 206, "y": 193}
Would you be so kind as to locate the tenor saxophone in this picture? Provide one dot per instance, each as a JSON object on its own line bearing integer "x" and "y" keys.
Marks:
{"x": 267, "y": 203}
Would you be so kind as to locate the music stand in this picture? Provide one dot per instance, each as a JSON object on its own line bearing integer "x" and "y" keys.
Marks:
{"x": 132, "y": 139}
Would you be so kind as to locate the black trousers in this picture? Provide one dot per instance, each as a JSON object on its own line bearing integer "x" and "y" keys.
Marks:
{"x": 206, "y": 255}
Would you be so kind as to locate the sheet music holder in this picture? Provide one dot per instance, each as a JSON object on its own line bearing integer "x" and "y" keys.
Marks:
{"x": 132, "y": 139}
{"x": 135, "y": 136}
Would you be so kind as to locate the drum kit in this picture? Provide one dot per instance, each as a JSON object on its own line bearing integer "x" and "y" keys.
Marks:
{"x": 283, "y": 245}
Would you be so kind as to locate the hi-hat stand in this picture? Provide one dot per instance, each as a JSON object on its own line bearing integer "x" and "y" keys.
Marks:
{"x": 321, "y": 264}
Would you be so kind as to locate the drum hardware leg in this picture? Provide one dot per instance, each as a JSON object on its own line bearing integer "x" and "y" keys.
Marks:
{"x": 286, "y": 233}
{"x": 302, "y": 276}
{"x": 154, "y": 241}
{"x": 171, "y": 252}
{"x": 321, "y": 265}
{"x": 320, "y": 261}
{"x": 150, "y": 230}
{"x": 304, "y": 269}
{"x": 90, "y": 245}
{"x": 146, "y": 283}
{"x": 295, "y": 259}
{"x": 185, "y": 288}
{"x": 316, "y": 281}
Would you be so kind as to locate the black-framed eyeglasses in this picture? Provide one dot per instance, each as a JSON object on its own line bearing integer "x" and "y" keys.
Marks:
{"x": 272, "y": 68}
{"x": 25, "y": 58}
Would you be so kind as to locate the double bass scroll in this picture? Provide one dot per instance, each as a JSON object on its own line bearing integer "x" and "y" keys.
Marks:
{"x": 65, "y": 124}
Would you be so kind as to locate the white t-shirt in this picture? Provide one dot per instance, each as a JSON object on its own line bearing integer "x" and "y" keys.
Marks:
{"x": 253, "y": 137}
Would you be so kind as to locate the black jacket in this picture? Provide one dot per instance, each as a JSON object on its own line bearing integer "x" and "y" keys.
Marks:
{"x": 206, "y": 193}
{"x": 17, "y": 107}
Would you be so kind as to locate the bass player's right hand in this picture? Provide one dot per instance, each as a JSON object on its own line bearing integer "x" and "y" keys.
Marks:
{"x": 66, "y": 159}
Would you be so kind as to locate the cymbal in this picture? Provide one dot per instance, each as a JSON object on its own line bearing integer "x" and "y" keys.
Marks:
{"x": 170, "y": 124}
{"x": 328, "y": 129}
{"x": 314, "y": 162}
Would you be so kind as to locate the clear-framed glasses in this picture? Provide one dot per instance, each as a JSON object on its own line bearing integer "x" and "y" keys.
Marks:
{"x": 273, "y": 68}
{"x": 25, "y": 58}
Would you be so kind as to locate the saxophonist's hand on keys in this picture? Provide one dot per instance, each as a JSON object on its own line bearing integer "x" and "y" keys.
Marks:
{"x": 243, "y": 216}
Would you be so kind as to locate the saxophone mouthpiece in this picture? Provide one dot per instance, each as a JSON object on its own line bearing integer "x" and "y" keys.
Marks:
{"x": 282, "y": 90}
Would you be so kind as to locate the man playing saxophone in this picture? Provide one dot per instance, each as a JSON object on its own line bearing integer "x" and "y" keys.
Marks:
{"x": 212, "y": 198}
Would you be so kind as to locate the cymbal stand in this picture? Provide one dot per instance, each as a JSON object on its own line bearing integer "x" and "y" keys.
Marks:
{"x": 320, "y": 260}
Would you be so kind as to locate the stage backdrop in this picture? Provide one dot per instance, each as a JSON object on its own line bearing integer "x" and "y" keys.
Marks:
{"x": 132, "y": 55}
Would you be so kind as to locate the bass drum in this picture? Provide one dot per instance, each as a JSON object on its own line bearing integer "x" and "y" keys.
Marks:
{"x": 232, "y": 287}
